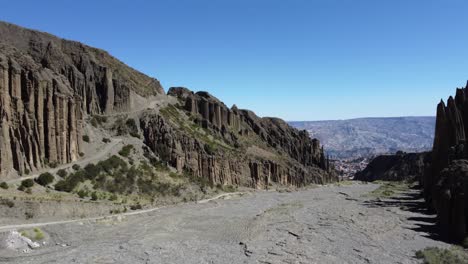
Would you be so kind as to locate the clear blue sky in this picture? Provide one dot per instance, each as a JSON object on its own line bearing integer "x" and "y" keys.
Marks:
{"x": 296, "y": 59}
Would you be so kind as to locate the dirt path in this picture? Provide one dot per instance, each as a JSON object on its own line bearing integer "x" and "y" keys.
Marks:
{"x": 329, "y": 224}
{"x": 107, "y": 149}
{"x": 109, "y": 217}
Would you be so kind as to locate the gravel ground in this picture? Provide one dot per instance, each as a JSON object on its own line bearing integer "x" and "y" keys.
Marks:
{"x": 328, "y": 224}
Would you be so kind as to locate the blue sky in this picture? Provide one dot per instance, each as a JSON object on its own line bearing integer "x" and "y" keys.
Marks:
{"x": 297, "y": 59}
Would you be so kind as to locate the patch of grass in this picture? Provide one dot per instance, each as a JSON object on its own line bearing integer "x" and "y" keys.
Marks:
{"x": 344, "y": 183}
{"x": 388, "y": 189}
{"x": 433, "y": 255}
{"x": 38, "y": 234}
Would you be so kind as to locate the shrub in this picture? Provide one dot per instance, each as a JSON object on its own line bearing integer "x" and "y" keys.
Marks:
{"x": 81, "y": 154}
{"x": 4, "y": 185}
{"x": 45, "y": 179}
{"x": 28, "y": 183}
{"x": 125, "y": 152}
{"x": 94, "y": 196}
{"x": 92, "y": 171}
{"x": 62, "y": 173}
{"x": 38, "y": 235}
{"x": 86, "y": 138}
{"x": 76, "y": 167}
{"x": 106, "y": 140}
{"x": 82, "y": 194}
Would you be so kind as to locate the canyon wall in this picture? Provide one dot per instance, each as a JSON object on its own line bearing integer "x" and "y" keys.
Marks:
{"x": 232, "y": 146}
{"x": 48, "y": 85}
{"x": 446, "y": 182}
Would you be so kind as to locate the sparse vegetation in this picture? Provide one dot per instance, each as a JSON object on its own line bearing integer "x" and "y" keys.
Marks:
{"x": 433, "y": 255}
{"x": 86, "y": 138}
{"x": 7, "y": 202}
{"x": 4, "y": 185}
{"x": 388, "y": 189}
{"x": 97, "y": 120}
{"x": 45, "y": 179}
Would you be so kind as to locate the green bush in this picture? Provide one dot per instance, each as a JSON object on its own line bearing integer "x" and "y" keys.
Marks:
{"x": 106, "y": 140}
{"x": 62, "y": 173}
{"x": 4, "y": 185}
{"x": 86, "y": 138}
{"x": 125, "y": 152}
{"x": 45, "y": 179}
{"x": 76, "y": 167}
{"x": 94, "y": 196}
{"x": 28, "y": 183}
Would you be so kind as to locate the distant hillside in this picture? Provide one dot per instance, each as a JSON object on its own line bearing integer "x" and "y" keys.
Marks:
{"x": 369, "y": 136}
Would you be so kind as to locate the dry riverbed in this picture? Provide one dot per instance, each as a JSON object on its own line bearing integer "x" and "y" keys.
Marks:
{"x": 328, "y": 224}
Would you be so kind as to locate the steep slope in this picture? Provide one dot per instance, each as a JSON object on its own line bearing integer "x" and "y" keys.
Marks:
{"x": 50, "y": 88}
{"x": 364, "y": 137}
{"x": 47, "y": 86}
{"x": 446, "y": 183}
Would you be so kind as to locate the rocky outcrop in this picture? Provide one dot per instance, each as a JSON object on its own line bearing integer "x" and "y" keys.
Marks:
{"x": 225, "y": 164}
{"x": 445, "y": 182}
{"x": 47, "y": 86}
{"x": 232, "y": 146}
{"x": 398, "y": 167}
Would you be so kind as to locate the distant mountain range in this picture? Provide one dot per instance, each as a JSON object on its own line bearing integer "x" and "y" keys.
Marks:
{"x": 364, "y": 137}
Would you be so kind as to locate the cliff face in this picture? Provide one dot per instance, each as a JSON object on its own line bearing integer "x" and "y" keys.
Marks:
{"x": 232, "y": 146}
{"x": 398, "y": 167}
{"x": 446, "y": 182}
{"x": 47, "y": 85}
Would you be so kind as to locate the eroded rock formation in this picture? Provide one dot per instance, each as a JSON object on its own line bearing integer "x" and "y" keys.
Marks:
{"x": 444, "y": 183}
{"x": 232, "y": 146}
{"x": 47, "y": 86}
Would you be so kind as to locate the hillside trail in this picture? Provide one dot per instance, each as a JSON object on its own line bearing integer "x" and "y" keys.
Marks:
{"x": 327, "y": 224}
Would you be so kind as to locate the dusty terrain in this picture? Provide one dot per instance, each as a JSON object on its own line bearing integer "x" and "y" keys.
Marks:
{"x": 328, "y": 224}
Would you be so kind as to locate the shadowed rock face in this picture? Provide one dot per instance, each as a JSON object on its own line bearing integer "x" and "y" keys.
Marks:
{"x": 445, "y": 181}
{"x": 47, "y": 85}
{"x": 398, "y": 167}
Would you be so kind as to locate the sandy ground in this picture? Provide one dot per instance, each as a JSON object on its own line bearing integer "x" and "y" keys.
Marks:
{"x": 328, "y": 224}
